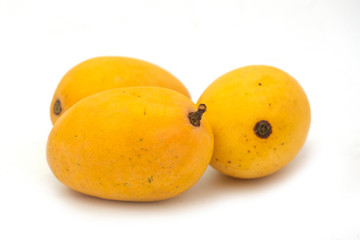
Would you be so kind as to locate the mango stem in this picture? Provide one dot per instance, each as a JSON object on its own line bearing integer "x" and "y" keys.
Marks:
{"x": 263, "y": 129}
{"x": 195, "y": 117}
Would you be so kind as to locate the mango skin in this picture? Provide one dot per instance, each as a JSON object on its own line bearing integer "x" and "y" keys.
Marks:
{"x": 238, "y": 100}
{"x": 130, "y": 144}
{"x": 103, "y": 73}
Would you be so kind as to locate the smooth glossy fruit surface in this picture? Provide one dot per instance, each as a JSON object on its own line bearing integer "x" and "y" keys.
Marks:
{"x": 104, "y": 73}
{"x": 131, "y": 144}
{"x": 260, "y": 118}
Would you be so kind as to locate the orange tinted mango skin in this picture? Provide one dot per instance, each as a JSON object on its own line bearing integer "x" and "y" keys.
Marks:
{"x": 237, "y": 101}
{"x": 103, "y": 73}
{"x": 130, "y": 144}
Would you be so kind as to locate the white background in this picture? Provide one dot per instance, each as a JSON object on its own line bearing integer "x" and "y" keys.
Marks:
{"x": 316, "y": 196}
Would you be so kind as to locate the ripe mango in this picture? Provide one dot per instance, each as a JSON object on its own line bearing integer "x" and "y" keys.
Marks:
{"x": 103, "y": 73}
{"x": 131, "y": 144}
{"x": 260, "y": 118}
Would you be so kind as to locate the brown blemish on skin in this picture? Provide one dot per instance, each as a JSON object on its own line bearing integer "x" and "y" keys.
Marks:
{"x": 229, "y": 162}
{"x": 248, "y": 151}
{"x": 57, "y": 107}
{"x": 259, "y": 84}
{"x": 263, "y": 129}
{"x": 195, "y": 117}
{"x": 150, "y": 179}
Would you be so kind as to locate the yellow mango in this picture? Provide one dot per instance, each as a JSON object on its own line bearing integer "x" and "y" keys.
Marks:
{"x": 260, "y": 117}
{"x": 131, "y": 144}
{"x": 103, "y": 73}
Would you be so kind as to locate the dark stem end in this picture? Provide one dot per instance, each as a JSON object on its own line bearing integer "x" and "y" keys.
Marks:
{"x": 263, "y": 129}
{"x": 57, "y": 107}
{"x": 195, "y": 117}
